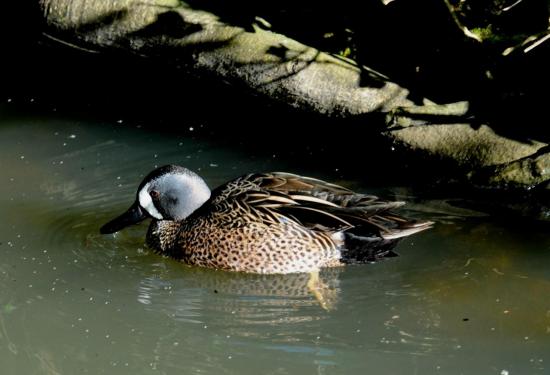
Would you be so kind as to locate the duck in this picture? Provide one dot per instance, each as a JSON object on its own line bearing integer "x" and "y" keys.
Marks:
{"x": 264, "y": 223}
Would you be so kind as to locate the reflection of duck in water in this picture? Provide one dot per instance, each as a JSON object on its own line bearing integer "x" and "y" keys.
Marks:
{"x": 242, "y": 295}
{"x": 263, "y": 223}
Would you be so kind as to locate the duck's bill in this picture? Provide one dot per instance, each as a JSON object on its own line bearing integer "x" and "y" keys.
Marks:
{"x": 133, "y": 216}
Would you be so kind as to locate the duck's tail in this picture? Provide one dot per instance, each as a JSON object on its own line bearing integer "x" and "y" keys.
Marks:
{"x": 406, "y": 228}
{"x": 368, "y": 247}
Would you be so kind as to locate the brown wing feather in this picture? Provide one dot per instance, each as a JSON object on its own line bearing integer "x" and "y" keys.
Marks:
{"x": 316, "y": 204}
{"x": 288, "y": 182}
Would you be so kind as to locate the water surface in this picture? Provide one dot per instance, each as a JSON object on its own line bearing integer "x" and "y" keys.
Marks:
{"x": 470, "y": 296}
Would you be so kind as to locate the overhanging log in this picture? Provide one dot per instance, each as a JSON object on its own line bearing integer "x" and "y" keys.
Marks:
{"x": 265, "y": 62}
{"x": 279, "y": 68}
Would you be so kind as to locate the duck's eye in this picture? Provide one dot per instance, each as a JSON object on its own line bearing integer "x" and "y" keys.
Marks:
{"x": 154, "y": 194}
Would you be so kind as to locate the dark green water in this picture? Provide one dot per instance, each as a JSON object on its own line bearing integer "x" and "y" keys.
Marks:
{"x": 471, "y": 296}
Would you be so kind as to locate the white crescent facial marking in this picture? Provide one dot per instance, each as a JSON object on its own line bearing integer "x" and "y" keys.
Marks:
{"x": 146, "y": 202}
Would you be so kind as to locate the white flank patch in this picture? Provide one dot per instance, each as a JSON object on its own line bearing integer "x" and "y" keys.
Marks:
{"x": 146, "y": 202}
{"x": 338, "y": 237}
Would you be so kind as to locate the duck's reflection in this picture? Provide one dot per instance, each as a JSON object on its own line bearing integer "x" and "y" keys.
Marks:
{"x": 195, "y": 293}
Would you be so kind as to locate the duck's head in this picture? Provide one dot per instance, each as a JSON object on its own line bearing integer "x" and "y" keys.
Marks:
{"x": 170, "y": 192}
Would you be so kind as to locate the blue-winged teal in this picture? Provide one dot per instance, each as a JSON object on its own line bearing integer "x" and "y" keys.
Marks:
{"x": 263, "y": 222}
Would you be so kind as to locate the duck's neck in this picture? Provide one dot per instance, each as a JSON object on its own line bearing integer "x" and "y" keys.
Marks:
{"x": 162, "y": 236}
